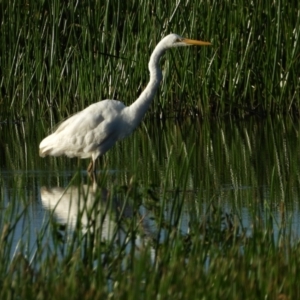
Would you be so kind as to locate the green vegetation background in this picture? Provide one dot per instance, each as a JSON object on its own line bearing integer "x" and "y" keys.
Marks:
{"x": 57, "y": 57}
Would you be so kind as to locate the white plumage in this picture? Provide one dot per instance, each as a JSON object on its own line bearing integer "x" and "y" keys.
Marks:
{"x": 94, "y": 130}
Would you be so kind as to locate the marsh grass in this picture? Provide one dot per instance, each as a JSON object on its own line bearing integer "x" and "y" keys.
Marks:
{"x": 219, "y": 197}
{"x": 57, "y": 58}
{"x": 214, "y": 258}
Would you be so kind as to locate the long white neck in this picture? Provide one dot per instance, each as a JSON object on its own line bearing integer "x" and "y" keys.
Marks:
{"x": 138, "y": 108}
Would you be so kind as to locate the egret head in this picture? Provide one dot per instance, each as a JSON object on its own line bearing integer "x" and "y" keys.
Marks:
{"x": 175, "y": 40}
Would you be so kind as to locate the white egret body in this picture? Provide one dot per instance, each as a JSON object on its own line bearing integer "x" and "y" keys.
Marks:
{"x": 94, "y": 130}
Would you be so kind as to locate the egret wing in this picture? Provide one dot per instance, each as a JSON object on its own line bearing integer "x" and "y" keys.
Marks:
{"x": 93, "y": 129}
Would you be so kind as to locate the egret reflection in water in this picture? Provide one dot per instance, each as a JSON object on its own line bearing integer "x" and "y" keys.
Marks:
{"x": 93, "y": 208}
{"x": 86, "y": 204}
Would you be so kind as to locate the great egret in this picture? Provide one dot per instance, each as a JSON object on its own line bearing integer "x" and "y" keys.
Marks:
{"x": 94, "y": 130}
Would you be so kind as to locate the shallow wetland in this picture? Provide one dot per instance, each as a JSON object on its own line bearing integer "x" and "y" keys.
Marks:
{"x": 213, "y": 188}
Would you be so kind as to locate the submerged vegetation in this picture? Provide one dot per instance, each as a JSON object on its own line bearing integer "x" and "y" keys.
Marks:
{"x": 182, "y": 209}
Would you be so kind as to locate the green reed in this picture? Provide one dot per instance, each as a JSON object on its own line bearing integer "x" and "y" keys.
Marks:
{"x": 209, "y": 172}
{"x": 57, "y": 58}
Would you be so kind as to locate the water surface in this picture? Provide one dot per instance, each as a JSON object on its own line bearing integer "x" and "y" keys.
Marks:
{"x": 168, "y": 174}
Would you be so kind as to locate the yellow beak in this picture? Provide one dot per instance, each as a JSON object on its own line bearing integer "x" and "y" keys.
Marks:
{"x": 195, "y": 42}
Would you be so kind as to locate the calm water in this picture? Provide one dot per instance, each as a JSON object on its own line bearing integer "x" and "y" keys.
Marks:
{"x": 179, "y": 173}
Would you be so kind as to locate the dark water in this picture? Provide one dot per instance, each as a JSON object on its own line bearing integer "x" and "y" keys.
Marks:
{"x": 179, "y": 175}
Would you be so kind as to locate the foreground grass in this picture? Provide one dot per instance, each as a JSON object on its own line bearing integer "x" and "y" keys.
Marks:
{"x": 214, "y": 259}
{"x": 59, "y": 57}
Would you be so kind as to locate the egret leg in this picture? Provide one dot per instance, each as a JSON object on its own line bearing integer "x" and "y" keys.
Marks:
{"x": 91, "y": 168}
{"x": 92, "y": 171}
